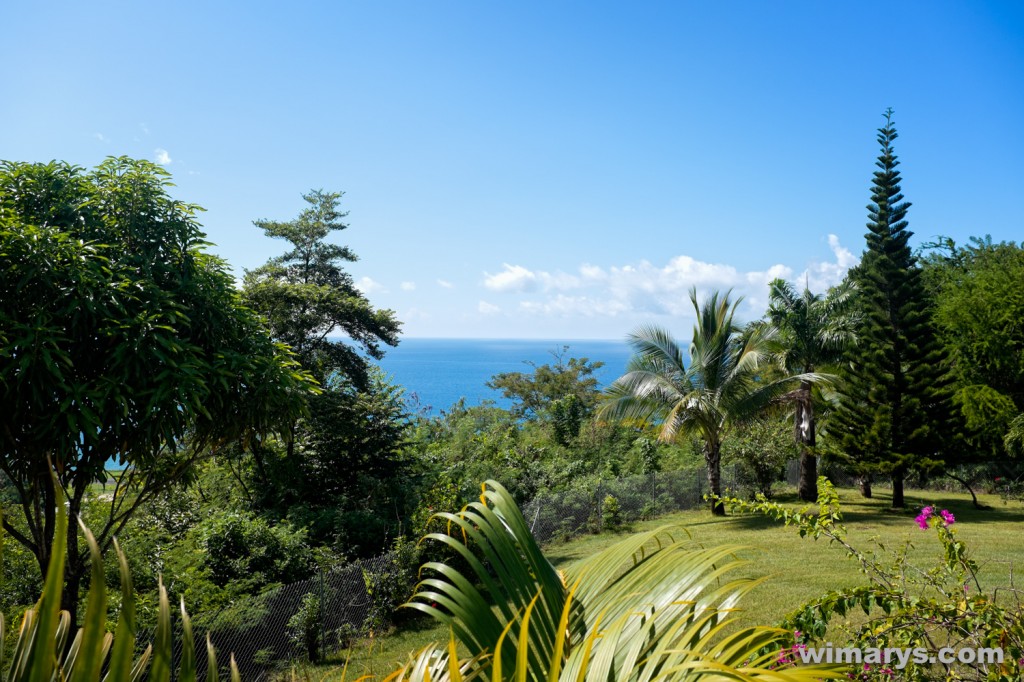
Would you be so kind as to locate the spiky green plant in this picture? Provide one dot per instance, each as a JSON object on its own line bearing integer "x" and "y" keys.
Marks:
{"x": 40, "y": 655}
{"x": 651, "y": 607}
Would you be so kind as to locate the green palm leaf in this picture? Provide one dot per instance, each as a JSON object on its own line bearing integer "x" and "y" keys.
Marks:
{"x": 651, "y": 607}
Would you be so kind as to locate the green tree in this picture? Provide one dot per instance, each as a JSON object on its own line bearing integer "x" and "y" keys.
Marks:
{"x": 120, "y": 339}
{"x": 761, "y": 448}
{"x": 562, "y": 394}
{"x": 895, "y": 395}
{"x": 339, "y": 466}
{"x": 813, "y": 331}
{"x": 306, "y": 296}
{"x": 347, "y": 477}
{"x": 721, "y": 386}
{"x": 979, "y": 305}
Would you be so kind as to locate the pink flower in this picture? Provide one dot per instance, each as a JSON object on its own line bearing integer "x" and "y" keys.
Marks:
{"x": 947, "y": 517}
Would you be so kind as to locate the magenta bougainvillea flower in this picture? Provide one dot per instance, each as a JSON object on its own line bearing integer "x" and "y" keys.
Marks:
{"x": 929, "y": 513}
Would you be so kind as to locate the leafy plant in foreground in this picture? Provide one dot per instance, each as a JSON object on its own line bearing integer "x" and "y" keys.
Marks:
{"x": 41, "y": 654}
{"x": 652, "y": 606}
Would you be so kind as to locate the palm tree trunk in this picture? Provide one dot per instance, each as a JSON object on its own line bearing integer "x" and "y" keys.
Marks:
{"x": 864, "y": 483}
{"x": 713, "y": 461}
{"x": 804, "y": 432}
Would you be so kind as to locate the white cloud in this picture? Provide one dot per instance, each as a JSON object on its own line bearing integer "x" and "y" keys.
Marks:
{"x": 162, "y": 156}
{"x": 488, "y": 308}
{"x": 820, "y": 276}
{"x": 408, "y": 286}
{"x": 368, "y": 285}
{"x": 101, "y": 137}
{"x": 645, "y": 288}
{"x": 445, "y": 284}
{"x": 511, "y": 278}
{"x": 144, "y": 127}
{"x": 518, "y": 278}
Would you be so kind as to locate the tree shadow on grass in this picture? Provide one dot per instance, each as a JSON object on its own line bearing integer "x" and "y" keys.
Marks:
{"x": 877, "y": 511}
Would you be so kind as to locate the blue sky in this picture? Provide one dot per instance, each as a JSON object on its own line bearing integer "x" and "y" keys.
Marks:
{"x": 540, "y": 170}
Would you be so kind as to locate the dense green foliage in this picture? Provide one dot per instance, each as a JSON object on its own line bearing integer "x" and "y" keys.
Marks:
{"x": 51, "y": 646}
{"x": 563, "y": 394}
{"x": 896, "y": 402}
{"x": 120, "y": 338}
{"x": 979, "y": 305}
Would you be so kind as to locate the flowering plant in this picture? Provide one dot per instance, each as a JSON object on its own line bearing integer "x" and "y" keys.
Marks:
{"x": 907, "y": 606}
{"x": 928, "y": 517}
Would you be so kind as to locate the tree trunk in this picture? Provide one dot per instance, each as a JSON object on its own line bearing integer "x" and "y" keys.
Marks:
{"x": 713, "y": 461}
{"x": 803, "y": 425}
{"x": 69, "y": 597}
{"x": 864, "y": 483}
{"x": 808, "y": 477}
{"x": 897, "y": 489}
{"x": 964, "y": 483}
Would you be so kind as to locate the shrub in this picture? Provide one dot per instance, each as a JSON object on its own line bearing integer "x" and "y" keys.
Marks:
{"x": 392, "y": 585}
{"x": 304, "y": 627}
{"x": 610, "y": 514}
{"x": 42, "y": 652}
{"x": 761, "y": 448}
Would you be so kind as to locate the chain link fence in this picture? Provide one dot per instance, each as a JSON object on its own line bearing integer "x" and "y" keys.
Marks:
{"x": 562, "y": 516}
{"x": 280, "y": 626}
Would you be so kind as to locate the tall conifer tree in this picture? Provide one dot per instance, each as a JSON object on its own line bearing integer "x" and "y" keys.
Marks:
{"x": 896, "y": 398}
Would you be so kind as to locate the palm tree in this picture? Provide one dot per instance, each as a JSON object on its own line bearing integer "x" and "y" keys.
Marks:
{"x": 811, "y": 331}
{"x": 722, "y": 385}
{"x": 653, "y": 606}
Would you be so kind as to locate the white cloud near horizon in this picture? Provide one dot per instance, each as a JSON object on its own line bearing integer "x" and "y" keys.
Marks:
{"x": 488, "y": 308}
{"x": 445, "y": 284}
{"x": 368, "y": 285}
{"x": 646, "y": 288}
{"x": 408, "y": 286}
{"x": 162, "y": 156}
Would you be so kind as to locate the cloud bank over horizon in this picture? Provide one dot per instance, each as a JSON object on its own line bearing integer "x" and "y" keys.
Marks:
{"x": 648, "y": 288}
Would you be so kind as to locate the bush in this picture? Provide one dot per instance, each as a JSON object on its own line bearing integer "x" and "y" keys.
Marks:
{"x": 610, "y": 514}
{"x": 304, "y": 627}
{"x": 392, "y": 585}
{"x": 243, "y": 548}
{"x": 761, "y": 449}
{"x": 41, "y": 654}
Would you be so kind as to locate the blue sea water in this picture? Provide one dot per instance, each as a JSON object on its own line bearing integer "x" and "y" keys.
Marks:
{"x": 436, "y": 373}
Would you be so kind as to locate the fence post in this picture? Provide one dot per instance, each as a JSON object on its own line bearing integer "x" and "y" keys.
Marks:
{"x": 323, "y": 612}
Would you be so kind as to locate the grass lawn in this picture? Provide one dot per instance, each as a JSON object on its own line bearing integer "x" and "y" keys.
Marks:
{"x": 798, "y": 568}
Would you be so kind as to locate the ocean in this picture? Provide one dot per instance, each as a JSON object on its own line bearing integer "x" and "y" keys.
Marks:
{"x": 436, "y": 373}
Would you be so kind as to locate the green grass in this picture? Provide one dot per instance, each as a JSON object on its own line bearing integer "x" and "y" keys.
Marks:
{"x": 798, "y": 568}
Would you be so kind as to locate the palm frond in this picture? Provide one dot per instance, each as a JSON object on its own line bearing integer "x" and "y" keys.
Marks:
{"x": 653, "y": 606}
